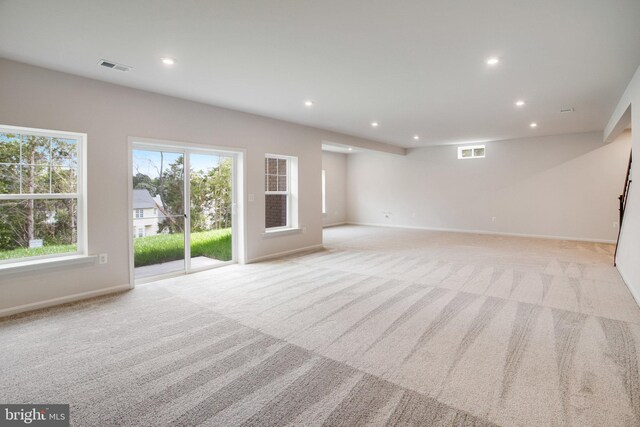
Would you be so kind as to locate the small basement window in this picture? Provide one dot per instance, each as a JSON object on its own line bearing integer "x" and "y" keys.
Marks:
{"x": 471, "y": 152}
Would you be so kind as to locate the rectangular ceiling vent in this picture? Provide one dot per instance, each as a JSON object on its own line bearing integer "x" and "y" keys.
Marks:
{"x": 114, "y": 65}
{"x": 567, "y": 110}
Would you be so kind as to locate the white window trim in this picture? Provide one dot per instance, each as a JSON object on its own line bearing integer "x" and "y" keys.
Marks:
{"x": 472, "y": 148}
{"x": 54, "y": 260}
{"x": 324, "y": 192}
{"x": 42, "y": 263}
{"x": 292, "y": 197}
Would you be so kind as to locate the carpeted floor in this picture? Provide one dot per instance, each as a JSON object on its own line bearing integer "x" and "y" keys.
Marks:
{"x": 386, "y": 326}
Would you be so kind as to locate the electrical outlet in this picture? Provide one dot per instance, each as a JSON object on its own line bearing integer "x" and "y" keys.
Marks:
{"x": 103, "y": 258}
{"x": 252, "y": 197}
{"x": 493, "y": 219}
{"x": 387, "y": 215}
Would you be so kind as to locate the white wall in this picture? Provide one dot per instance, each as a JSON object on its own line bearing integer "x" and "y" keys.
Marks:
{"x": 109, "y": 114}
{"x": 335, "y": 167}
{"x": 628, "y": 260}
{"x": 561, "y": 186}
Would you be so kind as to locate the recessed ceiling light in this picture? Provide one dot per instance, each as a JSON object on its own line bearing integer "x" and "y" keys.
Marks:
{"x": 168, "y": 61}
{"x": 375, "y": 124}
{"x": 519, "y": 103}
{"x": 533, "y": 125}
{"x": 416, "y": 137}
{"x": 493, "y": 60}
{"x": 350, "y": 149}
{"x": 308, "y": 103}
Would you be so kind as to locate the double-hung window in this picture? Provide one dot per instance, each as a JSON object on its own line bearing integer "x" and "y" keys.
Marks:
{"x": 280, "y": 192}
{"x": 139, "y": 213}
{"x": 41, "y": 194}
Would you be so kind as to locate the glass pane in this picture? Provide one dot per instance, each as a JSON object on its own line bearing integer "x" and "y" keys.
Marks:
{"x": 64, "y": 152}
{"x": 272, "y": 182}
{"x": 158, "y": 190}
{"x": 282, "y": 183}
{"x": 37, "y": 227}
{"x": 478, "y": 152}
{"x": 63, "y": 180}
{"x": 35, "y": 150}
{"x": 272, "y": 166}
{"x": 282, "y": 167}
{"x": 35, "y": 179}
{"x": 9, "y": 179}
{"x": 158, "y": 247}
{"x": 466, "y": 153}
{"x": 9, "y": 148}
{"x": 275, "y": 210}
{"x": 211, "y": 209}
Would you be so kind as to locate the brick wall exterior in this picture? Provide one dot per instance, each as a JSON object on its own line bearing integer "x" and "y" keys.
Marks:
{"x": 275, "y": 210}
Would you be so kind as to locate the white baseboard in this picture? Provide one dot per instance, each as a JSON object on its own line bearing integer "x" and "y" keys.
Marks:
{"x": 634, "y": 293}
{"x": 334, "y": 224}
{"x": 285, "y": 253}
{"x": 497, "y": 233}
{"x": 63, "y": 300}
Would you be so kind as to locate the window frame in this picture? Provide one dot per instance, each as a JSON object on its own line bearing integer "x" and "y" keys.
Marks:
{"x": 324, "y": 192}
{"x": 291, "y": 193}
{"x": 80, "y": 195}
{"x": 140, "y": 211}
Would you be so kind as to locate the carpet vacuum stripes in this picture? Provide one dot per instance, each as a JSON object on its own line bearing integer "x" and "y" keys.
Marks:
{"x": 383, "y": 327}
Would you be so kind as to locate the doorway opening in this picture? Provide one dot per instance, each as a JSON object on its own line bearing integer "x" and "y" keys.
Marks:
{"x": 183, "y": 209}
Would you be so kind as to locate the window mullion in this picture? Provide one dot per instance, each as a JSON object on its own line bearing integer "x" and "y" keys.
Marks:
{"x": 20, "y": 162}
{"x": 38, "y": 196}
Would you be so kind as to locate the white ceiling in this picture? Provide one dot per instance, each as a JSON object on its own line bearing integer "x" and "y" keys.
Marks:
{"x": 416, "y": 66}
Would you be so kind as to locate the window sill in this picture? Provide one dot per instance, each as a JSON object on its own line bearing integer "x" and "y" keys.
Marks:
{"x": 46, "y": 263}
{"x": 281, "y": 232}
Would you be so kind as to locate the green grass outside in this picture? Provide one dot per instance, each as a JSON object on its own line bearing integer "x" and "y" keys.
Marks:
{"x": 169, "y": 247}
{"x": 29, "y": 252}
{"x": 152, "y": 249}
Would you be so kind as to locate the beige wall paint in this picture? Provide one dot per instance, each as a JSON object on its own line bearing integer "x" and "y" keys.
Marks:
{"x": 335, "y": 167}
{"x": 563, "y": 186}
{"x": 109, "y": 115}
{"x": 628, "y": 259}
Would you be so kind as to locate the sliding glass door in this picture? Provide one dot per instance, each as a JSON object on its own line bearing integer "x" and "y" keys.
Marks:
{"x": 211, "y": 209}
{"x": 182, "y": 210}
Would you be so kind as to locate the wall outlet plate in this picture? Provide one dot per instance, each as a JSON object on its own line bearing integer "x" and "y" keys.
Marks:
{"x": 103, "y": 258}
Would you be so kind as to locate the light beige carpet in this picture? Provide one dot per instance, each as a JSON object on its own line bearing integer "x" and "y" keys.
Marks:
{"x": 386, "y": 326}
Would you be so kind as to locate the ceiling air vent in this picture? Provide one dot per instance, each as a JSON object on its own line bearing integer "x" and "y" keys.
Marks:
{"x": 567, "y": 110}
{"x": 114, "y": 65}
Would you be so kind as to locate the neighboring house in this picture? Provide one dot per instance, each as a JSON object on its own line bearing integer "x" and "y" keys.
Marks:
{"x": 147, "y": 213}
